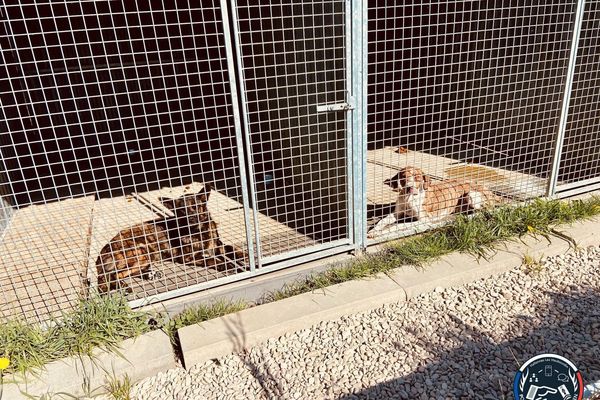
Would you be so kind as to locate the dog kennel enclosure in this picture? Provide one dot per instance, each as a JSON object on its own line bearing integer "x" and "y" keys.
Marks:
{"x": 296, "y": 112}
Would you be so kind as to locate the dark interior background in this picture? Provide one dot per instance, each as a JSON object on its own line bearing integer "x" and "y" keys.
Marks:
{"x": 293, "y": 59}
{"x": 581, "y": 149}
{"x": 473, "y": 81}
{"x": 97, "y": 100}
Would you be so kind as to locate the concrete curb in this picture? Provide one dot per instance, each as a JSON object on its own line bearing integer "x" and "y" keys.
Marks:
{"x": 248, "y": 328}
{"x": 458, "y": 269}
{"x": 78, "y": 376}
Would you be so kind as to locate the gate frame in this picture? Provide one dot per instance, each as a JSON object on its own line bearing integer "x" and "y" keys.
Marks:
{"x": 354, "y": 127}
{"x": 359, "y": 47}
{"x": 554, "y": 189}
{"x": 238, "y": 135}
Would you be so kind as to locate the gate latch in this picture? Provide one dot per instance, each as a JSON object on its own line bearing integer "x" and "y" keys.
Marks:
{"x": 335, "y": 107}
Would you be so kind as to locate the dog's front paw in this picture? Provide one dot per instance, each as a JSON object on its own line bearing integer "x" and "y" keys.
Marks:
{"x": 125, "y": 290}
{"x": 153, "y": 275}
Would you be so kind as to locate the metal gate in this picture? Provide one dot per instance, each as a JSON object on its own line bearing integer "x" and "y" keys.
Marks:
{"x": 294, "y": 84}
{"x": 297, "y": 113}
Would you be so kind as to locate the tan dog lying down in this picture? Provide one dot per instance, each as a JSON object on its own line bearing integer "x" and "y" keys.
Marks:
{"x": 419, "y": 199}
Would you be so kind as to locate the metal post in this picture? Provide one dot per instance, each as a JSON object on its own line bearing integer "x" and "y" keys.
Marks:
{"x": 250, "y": 177}
{"x": 231, "y": 66}
{"x": 349, "y": 105}
{"x": 564, "y": 115}
{"x": 358, "y": 87}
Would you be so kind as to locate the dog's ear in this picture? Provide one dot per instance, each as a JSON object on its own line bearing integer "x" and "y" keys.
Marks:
{"x": 169, "y": 203}
{"x": 393, "y": 181}
{"x": 426, "y": 181}
{"x": 204, "y": 194}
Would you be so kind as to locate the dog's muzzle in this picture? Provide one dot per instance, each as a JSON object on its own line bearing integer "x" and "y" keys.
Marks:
{"x": 410, "y": 190}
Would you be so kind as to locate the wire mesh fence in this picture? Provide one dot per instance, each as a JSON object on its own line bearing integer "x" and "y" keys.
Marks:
{"x": 293, "y": 60}
{"x": 467, "y": 93}
{"x": 580, "y": 156}
{"x": 160, "y": 149}
{"x": 113, "y": 108}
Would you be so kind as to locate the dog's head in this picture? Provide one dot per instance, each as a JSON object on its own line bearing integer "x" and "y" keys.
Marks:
{"x": 409, "y": 180}
{"x": 192, "y": 207}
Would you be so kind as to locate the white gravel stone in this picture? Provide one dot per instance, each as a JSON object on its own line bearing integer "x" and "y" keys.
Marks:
{"x": 457, "y": 343}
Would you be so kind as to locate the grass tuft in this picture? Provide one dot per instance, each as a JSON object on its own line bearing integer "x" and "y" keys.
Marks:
{"x": 202, "y": 312}
{"x": 481, "y": 234}
{"x": 422, "y": 249}
{"x": 532, "y": 265}
{"x": 96, "y": 322}
{"x": 119, "y": 389}
{"x": 364, "y": 267}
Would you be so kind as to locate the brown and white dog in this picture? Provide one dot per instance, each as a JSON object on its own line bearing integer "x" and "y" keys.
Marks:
{"x": 420, "y": 199}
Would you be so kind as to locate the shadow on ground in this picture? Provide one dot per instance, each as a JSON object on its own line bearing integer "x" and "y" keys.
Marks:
{"x": 478, "y": 368}
{"x": 267, "y": 376}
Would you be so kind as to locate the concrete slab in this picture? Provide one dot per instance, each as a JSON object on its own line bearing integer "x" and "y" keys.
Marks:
{"x": 431, "y": 164}
{"x": 43, "y": 257}
{"x": 247, "y": 328}
{"x": 78, "y": 376}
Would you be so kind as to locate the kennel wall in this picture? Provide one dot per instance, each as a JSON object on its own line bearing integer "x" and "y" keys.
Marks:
{"x": 296, "y": 112}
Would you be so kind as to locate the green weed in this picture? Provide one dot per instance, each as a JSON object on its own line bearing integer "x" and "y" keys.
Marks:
{"x": 119, "y": 389}
{"x": 96, "y": 322}
{"x": 202, "y": 312}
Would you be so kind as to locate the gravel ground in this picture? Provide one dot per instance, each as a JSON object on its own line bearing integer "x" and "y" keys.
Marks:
{"x": 458, "y": 343}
